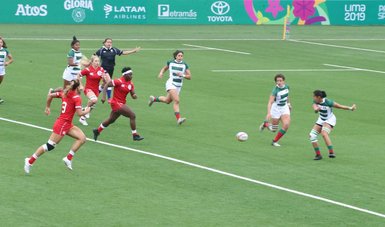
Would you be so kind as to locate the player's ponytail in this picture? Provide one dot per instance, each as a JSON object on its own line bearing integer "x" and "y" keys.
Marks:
{"x": 71, "y": 87}
{"x": 320, "y": 93}
{"x": 74, "y": 41}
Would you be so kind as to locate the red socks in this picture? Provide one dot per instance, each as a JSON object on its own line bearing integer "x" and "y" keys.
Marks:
{"x": 177, "y": 115}
{"x": 279, "y": 135}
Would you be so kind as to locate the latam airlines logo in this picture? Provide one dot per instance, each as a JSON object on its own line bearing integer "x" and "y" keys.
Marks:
{"x": 31, "y": 11}
{"x": 78, "y": 8}
{"x": 220, "y": 9}
{"x": 125, "y": 12}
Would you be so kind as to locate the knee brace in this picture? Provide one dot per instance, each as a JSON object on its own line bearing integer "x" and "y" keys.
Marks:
{"x": 49, "y": 146}
{"x": 313, "y": 136}
{"x": 327, "y": 130}
{"x": 273, "y": 128}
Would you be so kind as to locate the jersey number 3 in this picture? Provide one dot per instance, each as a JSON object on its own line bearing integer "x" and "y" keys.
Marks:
{"x": 63, "y": 107}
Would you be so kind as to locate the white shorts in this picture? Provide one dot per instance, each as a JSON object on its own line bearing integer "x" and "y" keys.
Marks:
{"x": 170, "y": 86}
{"x": 69, "y": 75}
{"x": 2, "y": 70}
{"x": 331, "y": 121}
{"x": 277, "y": 111}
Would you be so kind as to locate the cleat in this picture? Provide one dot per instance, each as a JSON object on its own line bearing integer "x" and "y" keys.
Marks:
{"x": 83, "y": 121}
{"x": 318, "y": 157}
{"x": 137, "y": 137}
{"x": 151, "y": 100}
{"x": 50, "y": 91}
{"x": 1, "y": 100}
{"x": 275, "y": 144}
{"x": 332, "y": 155}
{"x": 96, "y": 133}
{"x": 262, "y": 127}
{"x": 68, "y": 163}
{"x": 27, "y": 166}
{"x": 181, "y": 120}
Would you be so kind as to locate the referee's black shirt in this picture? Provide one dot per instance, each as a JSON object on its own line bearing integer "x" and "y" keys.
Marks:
{"x": 107, "y": 57}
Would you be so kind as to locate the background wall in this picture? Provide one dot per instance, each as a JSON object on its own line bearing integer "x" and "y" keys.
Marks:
{"x": 303, "y": 12}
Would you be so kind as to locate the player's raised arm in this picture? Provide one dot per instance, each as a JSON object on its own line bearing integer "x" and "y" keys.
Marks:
{"x": 343, "y": 107}
{"x": 127, "y": 52}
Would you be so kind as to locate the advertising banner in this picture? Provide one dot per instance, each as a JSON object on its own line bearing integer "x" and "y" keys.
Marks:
{"x": 258, "y": 12}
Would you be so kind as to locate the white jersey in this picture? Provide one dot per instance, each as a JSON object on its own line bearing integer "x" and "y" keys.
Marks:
{"x": 175, "y": 67}
{"x": 3, "y": 57}
{"x": 76, "y": 56}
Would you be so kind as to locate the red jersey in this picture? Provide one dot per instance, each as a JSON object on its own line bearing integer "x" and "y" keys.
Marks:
{"x": 121, "y": 90}
{"x": 70, "y": 103}
{"x": 93, "y": 77}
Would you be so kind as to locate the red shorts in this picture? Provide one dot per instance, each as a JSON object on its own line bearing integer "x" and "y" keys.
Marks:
{"x": 115, "y": 106}
{"x": 96, "y": 92}
{"x": 61, "y": 127}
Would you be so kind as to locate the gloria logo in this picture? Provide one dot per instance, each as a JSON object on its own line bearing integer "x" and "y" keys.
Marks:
{"x": 220, "y": 9}
{"x": 165, "y": 12}
{"x": 125, "y": 12}
{"x": 34, "y": 11}
{"x": 78, "y": 8}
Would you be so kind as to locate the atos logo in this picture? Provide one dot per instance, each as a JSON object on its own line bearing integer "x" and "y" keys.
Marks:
{"x": 34, "y": 11}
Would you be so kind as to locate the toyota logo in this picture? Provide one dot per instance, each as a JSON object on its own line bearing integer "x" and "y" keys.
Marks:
{"x": 220, "y": 8}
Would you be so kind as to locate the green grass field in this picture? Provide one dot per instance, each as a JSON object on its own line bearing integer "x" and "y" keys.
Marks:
{"x": 116, "y": 187}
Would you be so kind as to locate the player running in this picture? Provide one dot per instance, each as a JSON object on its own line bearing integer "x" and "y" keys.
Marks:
{"x": 122, "y": 86}
{"x": 71, "y": 104}
{"x": 73, "y": 66}
{"x": 94, "y": 74}
{"x": 326, "y": 121}
{"x": 107, "y": 53}
{"x": 4, "y": 54}
{"x": 179, "y": 70}
{"x": 278, "y": 109}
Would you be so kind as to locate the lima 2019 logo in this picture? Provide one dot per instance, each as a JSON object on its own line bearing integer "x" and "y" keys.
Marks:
{"x": 79, "y": 8}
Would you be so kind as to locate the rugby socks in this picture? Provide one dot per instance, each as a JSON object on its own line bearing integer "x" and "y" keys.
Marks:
{"x": 317, "y": 151}
{"x": 331, "y": 151}
{"x": 100, "y": 128}
{"x": 156, "y": 99}
{"x": 109, "y": 91}
{"x": 177, "y": 115}
{"x": 279, "y": 135}
{"x": 266, "y": 124}
{"x": 70, "y": 155}
{"x": 32, "y": 159}
{"x": 134, "y": 132}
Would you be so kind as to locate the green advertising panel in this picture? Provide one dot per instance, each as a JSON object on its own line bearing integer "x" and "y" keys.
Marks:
{"x": 258, "y": 12}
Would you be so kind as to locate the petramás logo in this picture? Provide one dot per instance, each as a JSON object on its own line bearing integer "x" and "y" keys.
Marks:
{"x": 166, "y": 12}
{"x": 125, "y": 12}
{"x": 220, "y": 9}
{"x": 78, "y": 8}
{"x": 31, "y": 11}
{"x": 381, "y": 12}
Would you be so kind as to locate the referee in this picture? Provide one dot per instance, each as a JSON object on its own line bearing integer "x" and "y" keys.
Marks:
{"x": 107, "y": 55}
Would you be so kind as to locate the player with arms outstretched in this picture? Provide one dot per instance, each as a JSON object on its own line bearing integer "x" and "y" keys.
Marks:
{"x": 4, "y": 55}
{"x": 122, "y": 87}
{"x": 71, "y": 104}
{"x": 94, "y": 74}
{"x": 178, "y": 70}
{"x": 278, "y": 109}
{"x": 326, "y": 121}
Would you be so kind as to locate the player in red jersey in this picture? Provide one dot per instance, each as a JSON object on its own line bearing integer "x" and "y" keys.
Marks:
{"x": 71, "y": 104}
{"x": 122, "y": 86}
{"x": 94, "y": 74}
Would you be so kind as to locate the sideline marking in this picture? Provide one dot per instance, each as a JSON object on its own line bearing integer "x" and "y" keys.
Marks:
{"x": 355, "y": 68}
{"x": 216, "y": 171}
{"x": 337, "y": 46}
{"x": 283, "y": 70}
{"x": 218, "y": 49}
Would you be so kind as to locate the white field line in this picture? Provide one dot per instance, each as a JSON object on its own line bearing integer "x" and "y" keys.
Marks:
{"x": 174, "y": 39}
{"x": 218, "y": 49}
{"x": 338, "y": 46}
{"x": 303, "y": 194}
{"x": 153, "y": 49}
{"x": 355, "y": 68}
{"x": 283, "y": 70}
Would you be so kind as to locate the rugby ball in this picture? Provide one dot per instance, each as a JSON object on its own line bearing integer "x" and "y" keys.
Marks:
{"x": 242, "y": 136}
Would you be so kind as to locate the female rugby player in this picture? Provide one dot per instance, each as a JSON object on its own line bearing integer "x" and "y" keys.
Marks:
{"x": 122, "y": 86}
{"x": 73, "y": 62}
{"x": 278, "y": 109}
{"x": 71, "y": 104}
{"x": 107, "y": 54}
{"x": 94, "y": 74}
{"x": 326, "y": 121}
{"x": 179, "y": 70}
{"x": 4, "y": 54}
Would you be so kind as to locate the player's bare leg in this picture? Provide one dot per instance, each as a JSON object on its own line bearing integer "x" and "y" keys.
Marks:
{"x": 113, "y": 116}
{"x": 127, "y": 112}
{"x": 1, "y": 80}
{"x": 80, "y": 139}
{"x": 175, "y": 99}
{"x": 285, "y": 126}
{"x": 313, "y": 136}
{"x": 326, "y": 130}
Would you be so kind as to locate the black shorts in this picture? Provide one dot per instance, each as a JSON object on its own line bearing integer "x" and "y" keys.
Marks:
{"x": 109, "y": 70}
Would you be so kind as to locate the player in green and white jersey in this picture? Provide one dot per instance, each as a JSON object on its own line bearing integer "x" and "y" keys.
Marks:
{"x": 278, "y": 109}
{"x": 179, "y": 70}
{"x": 326, "y": 121}
{"x": 73, "y": 67}
{"x": 4, "y": 55}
